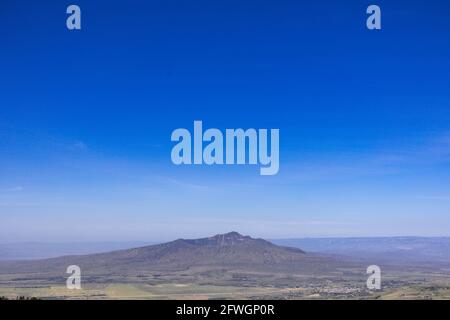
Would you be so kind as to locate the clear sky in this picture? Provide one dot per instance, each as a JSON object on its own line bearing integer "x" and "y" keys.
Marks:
{"x": 86, "y": 118}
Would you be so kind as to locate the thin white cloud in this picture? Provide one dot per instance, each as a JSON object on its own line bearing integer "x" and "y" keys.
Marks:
{"x": 427, "y": 151}
{"x": 435, "y": 198}
{"x": 79, "y": 145}
{"x": 13, "y": 189}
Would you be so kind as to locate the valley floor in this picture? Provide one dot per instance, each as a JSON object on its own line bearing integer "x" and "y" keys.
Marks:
{"x": 236, "y": 284}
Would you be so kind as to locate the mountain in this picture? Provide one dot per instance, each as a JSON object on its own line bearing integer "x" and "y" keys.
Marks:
{"x": 230, "y": 266}
{"x": 230, "y": 250}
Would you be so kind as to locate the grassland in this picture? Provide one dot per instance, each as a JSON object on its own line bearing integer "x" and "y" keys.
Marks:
{"x": 236, "y": 284}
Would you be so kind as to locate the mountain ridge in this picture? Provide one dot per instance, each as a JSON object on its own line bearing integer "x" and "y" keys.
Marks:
{"x": 221, "y": 250}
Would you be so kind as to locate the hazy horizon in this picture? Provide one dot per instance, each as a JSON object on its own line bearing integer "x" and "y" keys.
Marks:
{"x": 156, "y": 241}
{"x": 381, "y": 249}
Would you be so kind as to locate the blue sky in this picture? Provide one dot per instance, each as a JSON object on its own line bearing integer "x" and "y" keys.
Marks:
{"x": 86, "y": 118}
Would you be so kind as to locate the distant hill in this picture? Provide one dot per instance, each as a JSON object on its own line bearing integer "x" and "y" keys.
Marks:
{"x": 223, "y": 250}
{"x": 398, "y": 250}
{"x": 45, "y": 250}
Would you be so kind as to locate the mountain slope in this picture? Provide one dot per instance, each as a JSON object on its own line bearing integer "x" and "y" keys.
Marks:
{"x": 224, "y": 250}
